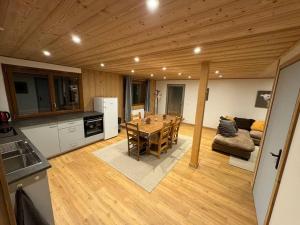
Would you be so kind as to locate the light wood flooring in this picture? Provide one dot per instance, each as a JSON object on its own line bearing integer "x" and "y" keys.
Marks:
{"x": 85, "y": 190}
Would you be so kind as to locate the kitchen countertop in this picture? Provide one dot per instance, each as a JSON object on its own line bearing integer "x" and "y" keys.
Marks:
{"x": 44, "y": 165}
{"x": 53, "y": 119}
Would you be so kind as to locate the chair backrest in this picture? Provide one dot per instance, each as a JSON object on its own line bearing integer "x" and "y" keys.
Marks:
{"x": 176, "y": 126}
{"x": 147, "y": 114}
{"x": 133, "y": 132}
{"x": 165, "y": 133}
{"x": 136, "y": 116}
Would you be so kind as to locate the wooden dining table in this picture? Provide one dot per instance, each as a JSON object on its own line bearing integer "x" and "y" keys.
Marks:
{"x": 155, "y": 125}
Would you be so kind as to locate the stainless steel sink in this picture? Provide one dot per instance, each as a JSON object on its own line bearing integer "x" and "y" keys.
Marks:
{"x": 18, "y": 155}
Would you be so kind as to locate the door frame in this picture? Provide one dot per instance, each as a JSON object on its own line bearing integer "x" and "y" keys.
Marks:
{"x": 288, "y": 141}
{"x": 6, "y": 211}
{"x": 183, "y": 95}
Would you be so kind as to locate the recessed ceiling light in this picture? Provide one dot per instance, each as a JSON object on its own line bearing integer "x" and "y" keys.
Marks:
{"x": 164, "y": 68}
{"x": 152, "y": 75}
{"x": 102, "y": 64}
{"x": 189, "y": 77}
{"x": 197, "y": 50}
{"x": 76, "y": 39}
{"x": 152, "y": 5}
{"x": 46, "y": 53}
{"x": 179, "y": 74}
{"x": 136, "y": 59}
{"x": 217, "y": 72}
{"x": 132, "y": 71}
{"x": 165, "y": 77}
{"x": 220, "y": 76}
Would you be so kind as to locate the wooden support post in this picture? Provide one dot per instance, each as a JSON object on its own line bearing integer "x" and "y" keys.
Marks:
{"x": 7, "y": 215}
{"x": 199, "y": 114}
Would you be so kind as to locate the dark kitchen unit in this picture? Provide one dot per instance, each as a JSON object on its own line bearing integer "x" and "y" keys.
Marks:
{"x": 93, "y": 128}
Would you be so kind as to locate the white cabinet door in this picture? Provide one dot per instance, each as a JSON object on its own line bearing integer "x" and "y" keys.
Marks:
{"x": 71, "y": 137}
{"x": 44, "y": 138}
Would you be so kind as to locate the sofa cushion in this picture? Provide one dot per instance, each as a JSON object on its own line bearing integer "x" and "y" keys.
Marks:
{"x": 244, "y": 123}
{"x": 256, "y": 134}
{"x": 258, "y": 125}
{"x": 227, "y": 128}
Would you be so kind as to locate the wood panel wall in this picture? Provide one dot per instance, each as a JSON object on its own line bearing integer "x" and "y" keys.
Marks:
{"x": 102, "y": 84}
{"x": 152, "y": 96}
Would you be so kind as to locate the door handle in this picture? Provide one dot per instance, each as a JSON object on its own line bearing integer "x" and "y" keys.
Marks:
{"x": 278, "y": 156}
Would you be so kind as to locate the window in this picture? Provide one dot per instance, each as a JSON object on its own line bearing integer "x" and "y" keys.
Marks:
{"x": 66, "y": 93}
{"x": 34, "y": 92}
{"x": 138, "y": 92}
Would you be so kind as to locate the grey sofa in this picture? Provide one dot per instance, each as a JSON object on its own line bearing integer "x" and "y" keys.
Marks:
{"x": 241, "y": 145}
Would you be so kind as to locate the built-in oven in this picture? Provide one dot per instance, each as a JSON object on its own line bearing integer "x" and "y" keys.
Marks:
{"x": 93, "y": 125}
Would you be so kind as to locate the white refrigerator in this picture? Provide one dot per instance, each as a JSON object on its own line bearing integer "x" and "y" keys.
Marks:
{"x": 109, "y": 107}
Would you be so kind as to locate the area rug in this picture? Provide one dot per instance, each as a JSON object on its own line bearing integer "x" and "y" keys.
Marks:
{"x": 150, "y": 170}
{"x": 244, "y": 164}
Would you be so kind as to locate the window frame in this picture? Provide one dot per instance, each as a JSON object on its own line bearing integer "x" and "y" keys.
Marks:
{"x": 140, "y": 82}
{"x": 8, "y": 71}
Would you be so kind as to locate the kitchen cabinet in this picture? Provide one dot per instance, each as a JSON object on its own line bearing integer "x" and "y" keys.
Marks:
{"x": 37, "y": 188}
{"x": 71, "y": 135}
{"x": 44, "y": 138}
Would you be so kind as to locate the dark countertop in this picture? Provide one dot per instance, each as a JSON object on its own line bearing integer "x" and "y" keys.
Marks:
{"x": 53, "y": 119}
{"x": 44, "y": 165}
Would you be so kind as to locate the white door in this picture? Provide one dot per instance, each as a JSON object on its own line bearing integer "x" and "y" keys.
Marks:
{"x": 286, "y": 208}
{"x": 110, "y": 117}
{"x": 279, "y": 122}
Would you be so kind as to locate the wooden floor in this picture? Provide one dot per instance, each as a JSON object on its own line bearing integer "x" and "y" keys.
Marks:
{"x": 85, "y": 190}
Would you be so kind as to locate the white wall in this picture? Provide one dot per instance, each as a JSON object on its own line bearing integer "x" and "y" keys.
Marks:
{"x": 190, "y": 98}
{"x": 21, "y": 62}
{"x": 235, "y": 97}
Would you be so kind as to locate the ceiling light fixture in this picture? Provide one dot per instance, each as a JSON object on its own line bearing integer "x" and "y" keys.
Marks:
{"x": 76, "y": 39}
{"x": 136, "y": 59}
{"x": 217, "y": 72}
{"x": 152, "y": 75}
{"x": 165, "y": 77}
{"x": 220, "y": 76}
{"x": 102, "y": 64}
{"x": 179, "y": 74}
{"x": 46, "y": 53}
{"x": 189, "y": 77}
{"x": 197, "y": 50}
{"x": 152, "y": 5}
{"x": 132, "y": 71}
{"x": 164, "y": 68}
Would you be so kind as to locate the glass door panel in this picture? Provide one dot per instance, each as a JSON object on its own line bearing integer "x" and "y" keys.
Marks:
{"x": 32, "y": 93}
{"x": 66, "y": 93}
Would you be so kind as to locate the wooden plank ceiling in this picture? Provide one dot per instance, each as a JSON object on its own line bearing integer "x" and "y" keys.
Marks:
{"x": 240, "y": 38}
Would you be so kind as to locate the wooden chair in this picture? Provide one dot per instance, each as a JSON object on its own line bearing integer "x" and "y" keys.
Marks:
{"x": 135, "y": 142}
{"x": 136, "y": 116}
{"x": 173, "y": 138}
{"x": 147, "y": 114}
{"x": 160, "y": 143}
